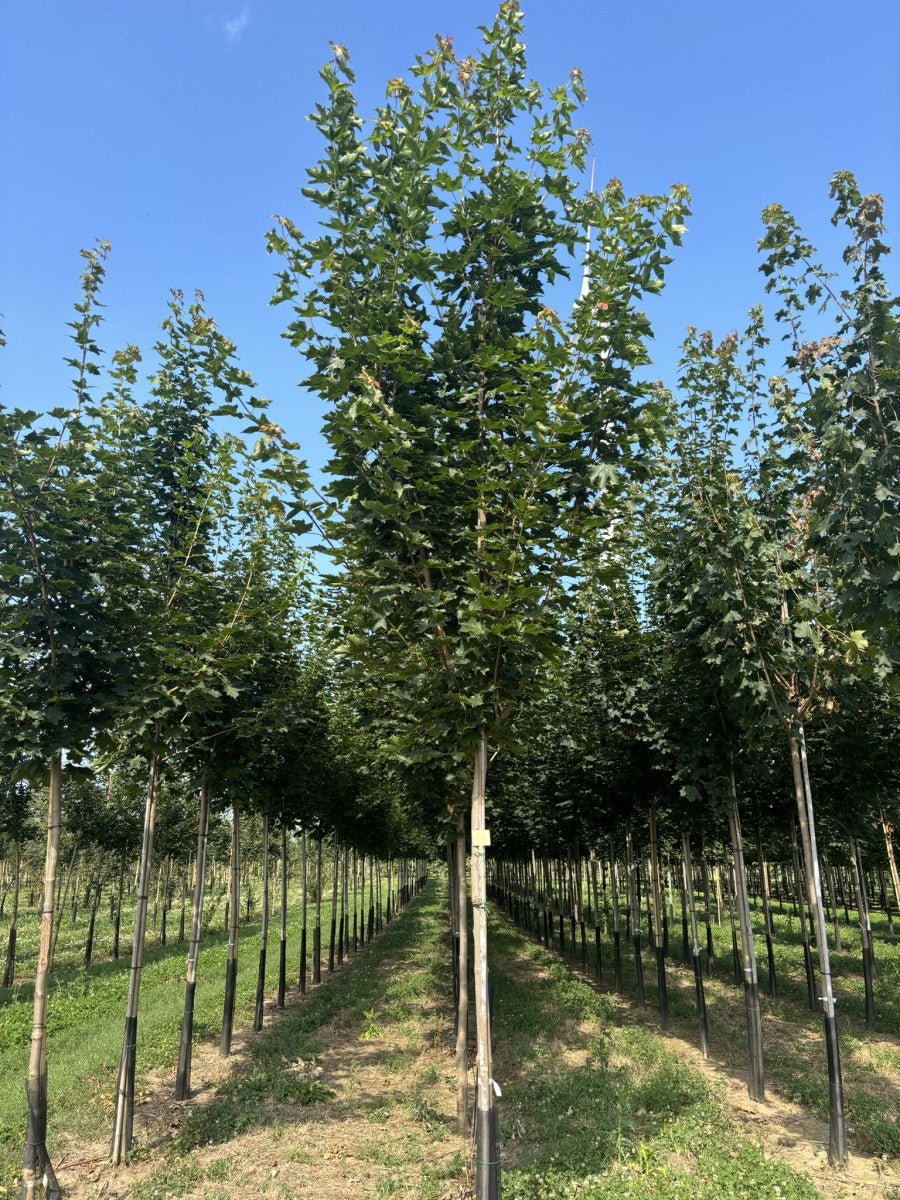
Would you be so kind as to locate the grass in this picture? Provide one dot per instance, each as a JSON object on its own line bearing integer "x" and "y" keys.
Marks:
{"x": 794, "y": 1052}
{"x": 595, "y": 1110}
{"x": 590, "y": 1108}
{"x": 86, "y": 1020}
{"x": 396, "y": 989}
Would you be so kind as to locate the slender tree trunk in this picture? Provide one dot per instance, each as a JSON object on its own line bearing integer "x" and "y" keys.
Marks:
{"x": 617, "y": 935}
{"x": 303, "y": 911}
{"x": 735, "y": 953}
{"x": 61, "y": 903}
{"x": 487, "y": 1158}
{"x": 335, "y": 877}
{"x": 885, "y": 898}
{"x": 888, "y": 832}
{"x": 370, "y": 923}
{"x": 182, "y": 909}
{"x": 832, "y": 903}
{"x": 595, "y": 913}
{"x": 659, "y": 948}
{"x": 183, "y": 1071}
{"x": 756, "y": 1084}
{"x": 343, "y": 932}
{"x": 579, "y": 899}
{"x": 317, "y": 927}
{"x": 264, "y": 930}
{"x": 165, "y": 902}
{"x": 707, "y": 913}
{"x": 38, "y": 1179}
{"x": 698, "y": 964}
{"x": 117, "y": 923}
{"x": 865, "y": 931}
{"x": 231, "y": 965}
{"x": 123, "y": 1116}
{"x": 282, "y": 918}
{"x": 9, "y": 970}
{"x": 837, "y": 1131}
{"x": 767, "y": 915}
{"x": 95, "y": 903}
{"x": 462, "y": 970}
{"x": 804, "y": 932}
{"x": 376, "y": 875}
{"x": 634, "y": 909}
{"x": 355, "y": 903}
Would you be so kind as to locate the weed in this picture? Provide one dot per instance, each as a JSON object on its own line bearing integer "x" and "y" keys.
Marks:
{"x": 220, "y": 1168}
{"x": 370, "y": 1028}
{"x": 176, "y": 1178}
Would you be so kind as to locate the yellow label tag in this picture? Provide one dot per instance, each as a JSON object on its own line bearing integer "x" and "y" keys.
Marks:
{"x": 481, "y": 837}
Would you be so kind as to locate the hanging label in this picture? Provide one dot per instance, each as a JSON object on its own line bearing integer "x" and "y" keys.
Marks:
{"x": 481, "y": 837}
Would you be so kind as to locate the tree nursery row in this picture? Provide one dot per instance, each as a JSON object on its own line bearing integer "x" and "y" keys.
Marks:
{"x": 583, "y": 632}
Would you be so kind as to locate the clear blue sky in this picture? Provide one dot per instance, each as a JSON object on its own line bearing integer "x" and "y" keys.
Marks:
{"x": 174, "y": 129}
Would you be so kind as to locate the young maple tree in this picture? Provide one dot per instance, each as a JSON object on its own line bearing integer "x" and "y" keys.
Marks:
{"x": 474, "y": 431}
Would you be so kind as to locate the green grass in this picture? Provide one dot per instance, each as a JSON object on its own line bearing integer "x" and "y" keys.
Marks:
{"x": 794, "y": 1051}
{"x": 598, "y": 1111}
{"x": 85, "y": 1021}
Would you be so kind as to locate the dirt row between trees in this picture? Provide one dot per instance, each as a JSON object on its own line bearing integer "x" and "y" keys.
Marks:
{"x": 378, "y": 1036}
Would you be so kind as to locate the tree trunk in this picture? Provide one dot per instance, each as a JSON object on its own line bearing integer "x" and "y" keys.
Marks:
{"x": 756, "y": 1084}
{"x": 370, "y": 923}
{"x": 38, "y": 1180}
{"x": 165, "y": 902}
{"x": 462, "y": 970}
{"x": 487, "y": 1161}
{"x": 282, "y": 918}
{"x": 185, "y": 876}
{"x": 658, "y": 921}
{"x": 303, "y": 911}
{"x": 892, "y": 860}
{"x": 117, "y": 923}
{"x": 9, "y": 970}
{"x": 234, "y": 911}
{"x": 698, "y": 964}
{"x": 617, "y": 935}
{"x": 264, "y": 930}
{"x": 335, "y": 877}
{"x": 123, "y": 1116}
{"x": 634, "y": 912}
{"x": 595, "y": 913}
{"x": 317, "y": 927}
{"x": 95, "y": 904}
{"x": 707, "y": 913}
{"x": 659, "y": 948}
{"x": 865, "y": 931}
{"x": 767, "y": 915}
{"x": 183, "y": 1071}
{"x": 837, "y": 1131}
{"x": 356, "y": 903}
{"x": 804, "y": 932}
{"x": 832, "y": 902}
{"x": 61, "y": 904}
{"x": 343, "y": 931}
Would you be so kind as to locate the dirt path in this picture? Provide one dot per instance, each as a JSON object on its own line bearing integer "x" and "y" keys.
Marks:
{"x": 384, "y": 1129}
